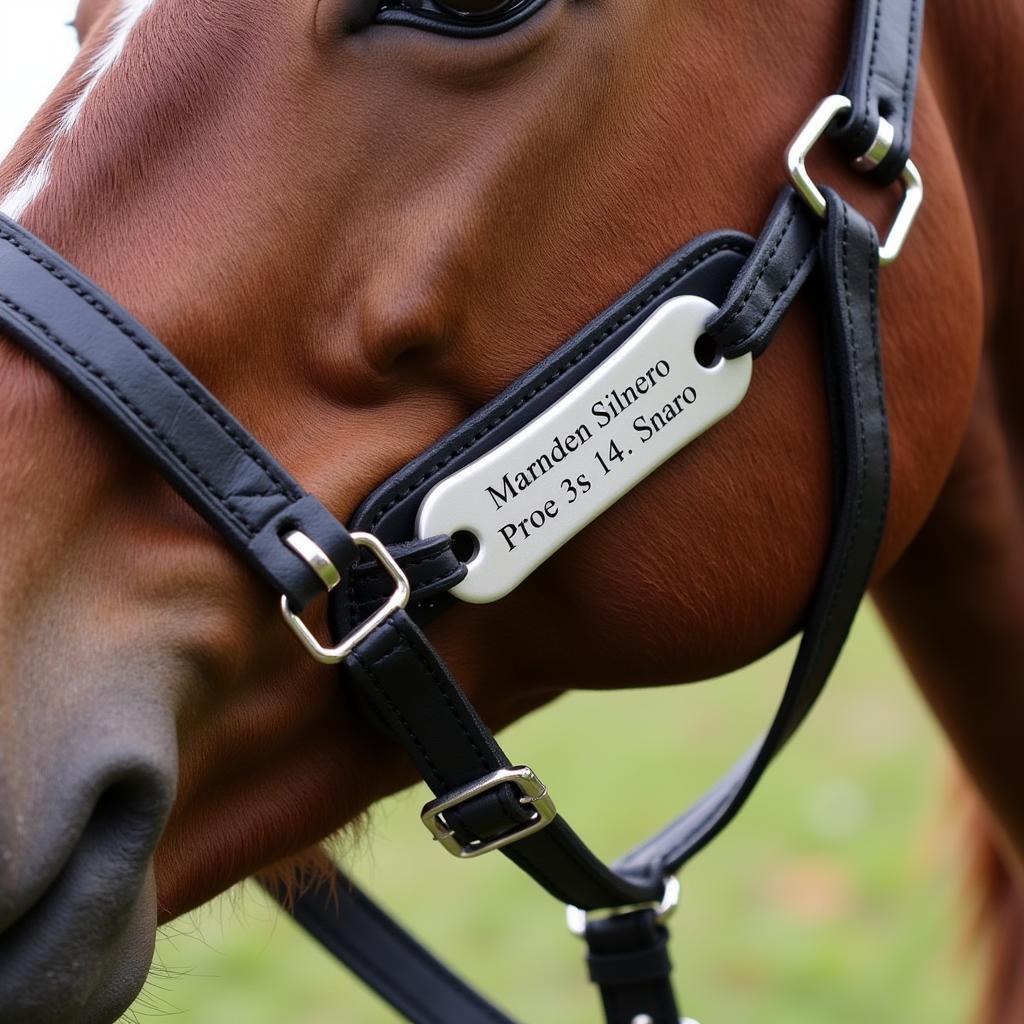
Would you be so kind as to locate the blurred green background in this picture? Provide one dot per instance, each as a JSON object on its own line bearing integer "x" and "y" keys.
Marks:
{"x": 834, "y": 897}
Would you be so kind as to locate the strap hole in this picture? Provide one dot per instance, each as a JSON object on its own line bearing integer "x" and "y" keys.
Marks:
{"x": 465, "y": 545}
{"x": 707, "y": 352}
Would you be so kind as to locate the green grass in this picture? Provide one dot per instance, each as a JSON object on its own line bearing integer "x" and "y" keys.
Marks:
{"x": 832, "y": 898}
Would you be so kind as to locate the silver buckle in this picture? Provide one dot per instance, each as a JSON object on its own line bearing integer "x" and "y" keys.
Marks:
{"x": 577, "y": 919}
{"x": 534, "y": 794}
{"x": 313, "y": 555}
{"x": 813, "y": 129}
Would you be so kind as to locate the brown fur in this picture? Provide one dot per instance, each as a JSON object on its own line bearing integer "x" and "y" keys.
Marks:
{"x": 996, "y": 892}
{"x": 354, "y": 241}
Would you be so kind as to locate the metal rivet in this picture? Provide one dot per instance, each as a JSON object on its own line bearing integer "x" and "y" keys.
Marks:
{"x": 879, "y": 149}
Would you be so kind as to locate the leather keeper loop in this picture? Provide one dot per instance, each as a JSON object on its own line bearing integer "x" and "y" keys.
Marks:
{"x": 283, "y": 567}
{"x": 627, "y": 949}
{"x": 630, "y": 968}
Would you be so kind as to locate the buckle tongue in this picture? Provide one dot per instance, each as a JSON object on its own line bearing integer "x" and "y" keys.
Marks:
{"x": 534, "y": 794}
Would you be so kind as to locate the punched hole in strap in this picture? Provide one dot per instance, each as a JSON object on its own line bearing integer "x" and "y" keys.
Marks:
{"x": 314, "y": 556}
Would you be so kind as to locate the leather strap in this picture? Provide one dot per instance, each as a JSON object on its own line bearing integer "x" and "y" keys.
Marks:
{"x": 385, "y": 956}
{"x": 628, "y": 961}
{"x": 775, "y": 270}
{"x": 881, "y": 80}
{"x": 111, "y": 361}
{"x": 410, "y": 693}
{"x": 849, "y": 256}
{"x": 431, "y": 567}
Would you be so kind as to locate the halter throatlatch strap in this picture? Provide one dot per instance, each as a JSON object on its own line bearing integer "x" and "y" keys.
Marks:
{"x": 116, "y": 365}
{"x": 861, "y": 456}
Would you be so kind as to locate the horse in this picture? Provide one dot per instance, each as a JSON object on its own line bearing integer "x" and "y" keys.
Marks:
{"x": 355, "y": 233}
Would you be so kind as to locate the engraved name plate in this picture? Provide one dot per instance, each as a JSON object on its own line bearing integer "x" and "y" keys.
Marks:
{"x": 525, "y": 498}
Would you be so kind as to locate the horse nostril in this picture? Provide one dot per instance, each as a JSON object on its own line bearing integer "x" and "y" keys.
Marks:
{"x": 127, "y": 817}
{"x": 131, "y": 808}
{"x": 80, "y": 914}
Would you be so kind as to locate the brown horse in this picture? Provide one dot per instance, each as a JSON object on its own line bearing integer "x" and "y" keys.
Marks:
{"x": 355, "y": 234}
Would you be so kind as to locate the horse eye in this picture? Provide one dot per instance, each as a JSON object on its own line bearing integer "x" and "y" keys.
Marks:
{"x": 457, "y": 17}
{"x": 477, "y": 8}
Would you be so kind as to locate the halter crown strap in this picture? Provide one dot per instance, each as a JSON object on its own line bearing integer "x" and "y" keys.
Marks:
{"x": 880, "y": 82}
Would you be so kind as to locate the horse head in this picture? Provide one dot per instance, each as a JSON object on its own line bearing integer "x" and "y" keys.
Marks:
{"x": 355, "y": 232}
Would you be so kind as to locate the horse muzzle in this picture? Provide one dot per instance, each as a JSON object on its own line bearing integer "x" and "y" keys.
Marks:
{"x": 77, "y": 897}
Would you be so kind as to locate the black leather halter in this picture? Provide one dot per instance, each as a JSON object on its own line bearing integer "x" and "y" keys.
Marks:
{"x": 483, "y": 801}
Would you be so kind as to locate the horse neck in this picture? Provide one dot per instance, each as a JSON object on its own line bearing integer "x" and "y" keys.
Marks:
{"x": 955, "y": 600}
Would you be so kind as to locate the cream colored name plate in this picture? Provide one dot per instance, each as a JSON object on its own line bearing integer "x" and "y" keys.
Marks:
{"x": 525, "y": 498}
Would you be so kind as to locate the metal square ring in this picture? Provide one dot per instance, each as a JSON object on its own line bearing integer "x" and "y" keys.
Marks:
{"x": 804, "y": 141}
{"x": 398, "y": 600}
